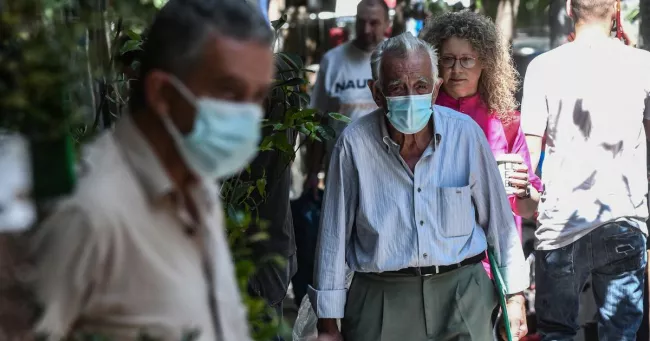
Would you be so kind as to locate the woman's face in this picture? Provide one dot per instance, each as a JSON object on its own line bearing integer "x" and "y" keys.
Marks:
{"x": 460, "y": 68}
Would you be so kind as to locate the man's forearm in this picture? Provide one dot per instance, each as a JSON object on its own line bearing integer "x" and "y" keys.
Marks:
{"x": 327, "y": 326}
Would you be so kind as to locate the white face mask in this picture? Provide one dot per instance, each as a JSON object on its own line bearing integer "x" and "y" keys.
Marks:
{"x": 224, "y": 138}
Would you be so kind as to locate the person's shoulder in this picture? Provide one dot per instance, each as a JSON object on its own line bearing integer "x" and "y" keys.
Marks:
{"x": 455, "y": 122}
{"x": 448, "y": 114}
{"x": 335, "y": 54}
{"x": 360, "y": 129}
{"x": 102, "y": 180}
{"x": 549, "y": 58}
{"x": 640, "y": 56}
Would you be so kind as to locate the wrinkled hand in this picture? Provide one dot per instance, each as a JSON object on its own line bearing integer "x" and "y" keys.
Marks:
{"x": 517, "y": 314}
{"x": 519, "y": 179}
{"x": 328, "y": 330}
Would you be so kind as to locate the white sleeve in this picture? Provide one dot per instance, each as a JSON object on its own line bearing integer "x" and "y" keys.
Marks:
{"x": 534, "y": 107}
{"x": 319, "y": 96}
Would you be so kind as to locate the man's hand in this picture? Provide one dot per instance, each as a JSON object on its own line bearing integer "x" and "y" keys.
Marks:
{"x": 328, "y": 330}
{"x": 518, "y": 178}
{"x": 516, "y": 306}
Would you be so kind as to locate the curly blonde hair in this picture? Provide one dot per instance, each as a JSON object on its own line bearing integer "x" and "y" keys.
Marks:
{"x": 499, "y": 79}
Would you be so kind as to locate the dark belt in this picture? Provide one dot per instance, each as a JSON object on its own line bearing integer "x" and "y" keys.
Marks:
{"x": 440, "y": 269}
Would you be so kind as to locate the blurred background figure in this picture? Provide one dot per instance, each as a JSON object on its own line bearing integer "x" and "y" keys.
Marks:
{"x": 140, "y": 246}
{"x": 341, "y": 84}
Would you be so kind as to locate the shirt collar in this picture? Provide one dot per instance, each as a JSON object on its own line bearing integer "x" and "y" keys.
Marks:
{"x": 144, "y": 163}
{"x": 438, "y": 131}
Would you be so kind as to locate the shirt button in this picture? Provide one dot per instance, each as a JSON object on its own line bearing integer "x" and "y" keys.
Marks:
{"x": 425, "y": 255}
{"x": 419, "y": 189}
{"x": 421, "y": 222}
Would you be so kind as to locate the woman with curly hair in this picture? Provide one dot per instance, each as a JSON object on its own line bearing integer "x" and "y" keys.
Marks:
{"x": 480, "y": 80}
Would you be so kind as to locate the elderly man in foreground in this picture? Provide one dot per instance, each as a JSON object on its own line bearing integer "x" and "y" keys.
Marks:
{"x": 413, "y": 200}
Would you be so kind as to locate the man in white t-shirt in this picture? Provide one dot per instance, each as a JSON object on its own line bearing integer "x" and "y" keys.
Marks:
{"x": 341, "y": 85}
{"x": 590, "y": 98}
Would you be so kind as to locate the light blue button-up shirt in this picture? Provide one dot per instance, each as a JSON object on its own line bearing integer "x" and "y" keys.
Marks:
{"x": 379, "y": 216}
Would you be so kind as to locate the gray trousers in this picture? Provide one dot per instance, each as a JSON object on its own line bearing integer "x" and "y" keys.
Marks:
{"x": 457, "y": 305}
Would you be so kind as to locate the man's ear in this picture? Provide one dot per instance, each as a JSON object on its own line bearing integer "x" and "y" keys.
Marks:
{"x": 377, "y": 96}
{"x": 436, "y": 91}
{"x": 569, "y": 12}
{"x": 155, "y": 92}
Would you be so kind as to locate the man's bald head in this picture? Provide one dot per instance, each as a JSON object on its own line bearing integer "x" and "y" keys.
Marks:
{"x": 371, "y": 3}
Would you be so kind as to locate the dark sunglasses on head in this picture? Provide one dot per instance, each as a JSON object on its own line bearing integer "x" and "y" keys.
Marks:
{"x": 465, "y": 62}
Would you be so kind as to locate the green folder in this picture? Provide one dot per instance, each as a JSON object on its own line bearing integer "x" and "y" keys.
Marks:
{"x": 501, "y": 290}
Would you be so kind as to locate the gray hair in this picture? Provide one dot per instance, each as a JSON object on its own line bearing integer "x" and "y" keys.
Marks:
{"x": 175, "y": 40}
{"x": 402, "y": 45}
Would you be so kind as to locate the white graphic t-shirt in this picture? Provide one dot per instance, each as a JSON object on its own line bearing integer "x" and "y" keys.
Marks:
{"x": 341, "y": 86}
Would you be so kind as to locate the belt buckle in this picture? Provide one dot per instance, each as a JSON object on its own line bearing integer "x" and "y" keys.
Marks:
{"x": 428, "y": 275}
{"x": 419, "y": 272}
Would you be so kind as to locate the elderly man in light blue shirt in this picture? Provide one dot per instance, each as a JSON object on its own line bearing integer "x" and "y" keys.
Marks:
{"x": 414, "y": 198}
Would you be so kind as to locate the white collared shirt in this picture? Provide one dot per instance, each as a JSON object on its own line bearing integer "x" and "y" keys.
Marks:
{"x": 117, "y": 257}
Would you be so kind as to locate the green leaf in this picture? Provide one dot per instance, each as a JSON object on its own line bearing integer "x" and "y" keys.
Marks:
{"x": 326, "y": 132}
{"x": 290, "y": 82}
{"x": 131, "y": 45}
{"x": 279, "y": 127}
{"x": 240, "y": 191}
{"x": 267, "y": 144}
{"x": 305, "y": 98}
{"x": 304, "y": 113}
{"x": 133, "y": 35}
{"x": 340, "y": 117}
{"x": 293, "y": 60}
{"x": 259, "y": 237}
{"x": 281, "y": 143}
{"x": 261, "y": 186}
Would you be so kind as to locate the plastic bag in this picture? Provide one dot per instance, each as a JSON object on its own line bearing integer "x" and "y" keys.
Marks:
{"x": 304, "y": 329}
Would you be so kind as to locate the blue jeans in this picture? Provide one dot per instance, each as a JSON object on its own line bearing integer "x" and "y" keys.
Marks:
{"x": 615, "y": 256}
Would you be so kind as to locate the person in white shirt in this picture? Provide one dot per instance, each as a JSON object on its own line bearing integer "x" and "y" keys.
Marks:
{"x": 341, "y": 84}
{"x": 140, "y": 247}
{"x": 590, "y": 97}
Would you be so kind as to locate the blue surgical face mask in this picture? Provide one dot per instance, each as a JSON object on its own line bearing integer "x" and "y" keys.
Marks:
{"x": 409, "y": 114}
{"x": 224, "y": 138}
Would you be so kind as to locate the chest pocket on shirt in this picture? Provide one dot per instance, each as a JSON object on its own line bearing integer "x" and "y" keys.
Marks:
{"x": 455, "y": 212}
